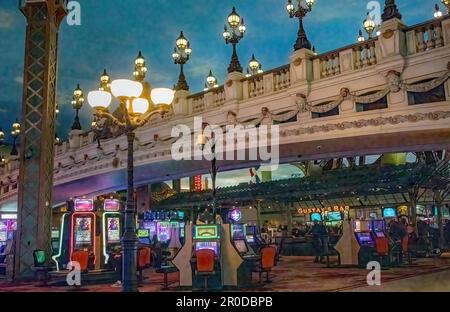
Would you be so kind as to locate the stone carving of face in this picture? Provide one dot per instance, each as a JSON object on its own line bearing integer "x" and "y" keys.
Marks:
{"x": 393, "y": 81}
{"x": 264, "y": 111}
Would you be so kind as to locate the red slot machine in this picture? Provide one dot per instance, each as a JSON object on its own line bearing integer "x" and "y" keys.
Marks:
{"x": 83, "y": 232}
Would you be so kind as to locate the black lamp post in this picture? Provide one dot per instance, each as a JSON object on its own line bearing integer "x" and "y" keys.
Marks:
{"x": 77, "y": 104}
{"x": 233, "y": 36}
{"x": 300, "y": 12}
{"x": 202, "y": 140}
{"x": 180, "y": 55}
{"x": 136, "y": 111}
{"x": 15, "y": 134}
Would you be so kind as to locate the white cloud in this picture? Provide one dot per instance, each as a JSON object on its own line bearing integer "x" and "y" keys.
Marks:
{"x": 18, "y": 79}
{"x": 6, "y": 19}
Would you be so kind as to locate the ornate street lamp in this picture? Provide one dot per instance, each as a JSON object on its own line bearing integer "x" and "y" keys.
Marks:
{"x": 437, "y": 11}
{"x": 254, "y": 67}
{"x": 300, "y": 11}
{"x": 136, "y": 112}
{"x": 180, "y": 55}
{"x": 77, "y": 104}
{"x": 202, "y": 140}
{"x": 211, "y": 82}
{"x": 360, "y": 36}
{"x": 15, "y": 134}
{"x": 56, "y": 110}
{"x": 447, "y": 4}
{"x": 140, "y": 70}
{"x": 105, "y": 82}
{"x": 233, "y": 36}
{"x": 369, "y": 25}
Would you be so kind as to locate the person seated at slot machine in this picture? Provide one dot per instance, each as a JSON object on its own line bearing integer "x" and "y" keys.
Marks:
{"x": 156, "y": 252}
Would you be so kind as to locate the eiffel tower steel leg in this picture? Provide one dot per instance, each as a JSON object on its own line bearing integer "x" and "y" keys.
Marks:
{"x": 37, "y": 138}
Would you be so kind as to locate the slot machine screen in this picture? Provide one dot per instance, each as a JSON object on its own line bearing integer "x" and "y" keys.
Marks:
{"x": 364, "y": 238}
{"x": 206, "y": 232}
{"x": 380, "y": 234}
{"x": 181, "y": 214}
{"x": 182, "y": 224}
{"x": 250, "y": 238}
{"x": 238, "y": 231}
{"x": 163, "y": 231}
{"x": 111, "y": 205}
{"x": 143, "y": 233}
{"x": 113, "y": 235}
{"x": 3, "y": 237}
{"x": 241, "y": 246}
{"x": 207, "y": 245}
{"x": 84, "y": 205}
{"x": 83, "y": 231}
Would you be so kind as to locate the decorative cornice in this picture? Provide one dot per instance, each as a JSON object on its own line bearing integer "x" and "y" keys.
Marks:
{"x": 362, "y": 123}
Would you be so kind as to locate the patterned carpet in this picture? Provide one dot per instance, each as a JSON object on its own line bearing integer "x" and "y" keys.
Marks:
{"x": 292, "y": 274}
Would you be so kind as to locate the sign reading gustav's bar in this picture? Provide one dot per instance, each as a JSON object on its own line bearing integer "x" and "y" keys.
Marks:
{"x": 323, "y": 210}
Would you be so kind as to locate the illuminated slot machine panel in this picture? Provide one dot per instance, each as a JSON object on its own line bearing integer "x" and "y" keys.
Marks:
{"x": 3, "y": 233}
{"x": 238, "y": 231}
{"x": 214, "y": 246}
{"x": 83, "y": 228}
{"x": 207, "y": 237}
{"x": 163, "y": 229}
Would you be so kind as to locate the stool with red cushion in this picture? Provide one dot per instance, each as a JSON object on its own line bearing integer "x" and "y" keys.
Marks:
{"x": 267, "y": 262}
{"x": 205, "y": 264}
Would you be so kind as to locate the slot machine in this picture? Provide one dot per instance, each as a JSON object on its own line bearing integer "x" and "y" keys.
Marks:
{"x": 83, "y": 230}
{"x": 8, "y": 225}
{"x": 163, "y": 231}
{"x": 207, "y": 237}
{"x": 362, "y": 230}
{"x": 111, "y": 228}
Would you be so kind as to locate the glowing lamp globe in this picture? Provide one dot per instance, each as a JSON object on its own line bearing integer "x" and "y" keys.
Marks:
{"x": 99, "y": 99}
{"x": 140, "y": 105}
{"x": 126, "y": 89}
{"x": 162, "y": 96}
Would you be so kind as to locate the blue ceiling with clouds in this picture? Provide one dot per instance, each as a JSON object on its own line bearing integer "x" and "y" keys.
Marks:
{"x": 113, "y": 31}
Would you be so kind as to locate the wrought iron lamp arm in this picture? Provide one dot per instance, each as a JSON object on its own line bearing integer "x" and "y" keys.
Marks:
{"x": 114, "y": 120}
{"x": 147, "y": 116}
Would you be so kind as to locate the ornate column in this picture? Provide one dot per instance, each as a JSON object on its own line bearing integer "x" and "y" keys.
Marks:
{"x": 37, "y": 137}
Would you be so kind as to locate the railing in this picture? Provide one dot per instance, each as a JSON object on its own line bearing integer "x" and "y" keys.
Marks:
{"x": 281, "y": 78}
{"x": 198, "y": 103}
{"x": 219, "y": 96}
{"x": 426, "y": 36}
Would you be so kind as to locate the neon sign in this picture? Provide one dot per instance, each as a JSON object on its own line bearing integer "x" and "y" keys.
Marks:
{"x": 236, "y": 215}
{"x": 324, "y": 210}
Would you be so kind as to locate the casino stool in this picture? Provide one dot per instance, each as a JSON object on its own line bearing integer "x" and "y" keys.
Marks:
{"x": 143, "y": 254}
{"x": 82, "y": 257}
{"x": 41, "y": 267}
{"x": 205, "y": 265}
{"x": 382, "y": 249}
{"x": 406, "y": 250}
{"x": 267, "y": 262}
